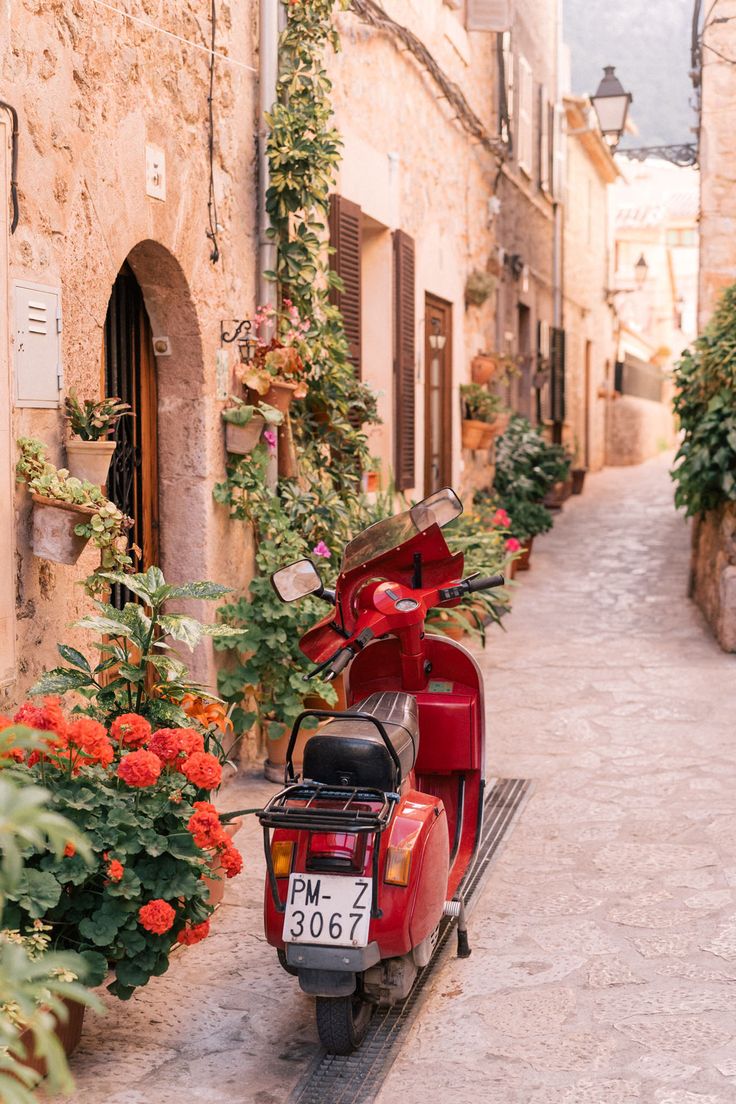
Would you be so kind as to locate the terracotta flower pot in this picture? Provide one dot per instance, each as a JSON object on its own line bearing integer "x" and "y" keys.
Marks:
{"x": 483, "y": 368}
{"x": 68, "y": 1034}
{"x": 216, "y": 884}
{"x": 522, "y": 564}
{"x": 477, "y": 435}
{"x": 242, "y": 439}
{"x": 558, "y": 494}
{"x": 501, "y": 423}
{"x": 53, "y": 537}
{"x": 578, "y": 480}
{"x": 280, "y": 394}
{"x": 89, "y": 460}
{"x": 274, "y": 767}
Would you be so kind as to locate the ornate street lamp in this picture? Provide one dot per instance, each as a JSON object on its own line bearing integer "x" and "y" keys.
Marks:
{"x": 641, "y": 271}
{"x": 611, "y": 105}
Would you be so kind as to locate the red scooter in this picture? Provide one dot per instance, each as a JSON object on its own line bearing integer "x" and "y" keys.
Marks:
{"x": 366, "y": 851}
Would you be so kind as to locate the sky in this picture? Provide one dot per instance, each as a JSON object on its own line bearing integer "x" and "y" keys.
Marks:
{"x": 648, "y": 41}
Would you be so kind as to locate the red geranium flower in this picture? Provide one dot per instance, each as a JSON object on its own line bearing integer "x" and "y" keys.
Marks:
{"x": 91, "y": 738}
{"x": 230, "y": 859}
{"x": 139, "y": 768}
{"x": 47, "y": 717}
{"x": 501, "y": 519}
{"x": 165, "y": 744}
{"x": 130, "y": 730}
{"x": 157, "y": 916}
{"x": 190, "y": 741}
{"x": 513, "y": 545}
{"x": 205, "y": 825}
{"x": 70, "y": 851}
{"x": 189, "y": 936}
{"x": 115, "y": 870}
{"x": 203, "y": 770}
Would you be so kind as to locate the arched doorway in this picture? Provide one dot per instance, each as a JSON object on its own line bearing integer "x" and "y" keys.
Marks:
{"x": 129, "y": 371}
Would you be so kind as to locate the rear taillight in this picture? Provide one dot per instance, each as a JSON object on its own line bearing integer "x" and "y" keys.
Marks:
{"x": 340, "y": 851}
{"x": 282, "y": 854}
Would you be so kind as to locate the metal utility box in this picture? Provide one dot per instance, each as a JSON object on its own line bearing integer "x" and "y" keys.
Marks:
{"x": 37, "y": 344}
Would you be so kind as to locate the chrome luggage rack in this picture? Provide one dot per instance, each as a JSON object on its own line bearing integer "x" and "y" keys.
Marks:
{"x": 343, "y": 815}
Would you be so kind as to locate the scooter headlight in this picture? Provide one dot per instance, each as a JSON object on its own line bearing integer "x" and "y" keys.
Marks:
{"x": 282, "y": 853}
{"x": 398, "y": 864}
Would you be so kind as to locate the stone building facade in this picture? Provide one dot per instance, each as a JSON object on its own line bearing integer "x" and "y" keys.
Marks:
{"x": 113, "y": 191}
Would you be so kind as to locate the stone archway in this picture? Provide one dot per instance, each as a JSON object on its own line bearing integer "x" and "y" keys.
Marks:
{"x": 185, "y": 493}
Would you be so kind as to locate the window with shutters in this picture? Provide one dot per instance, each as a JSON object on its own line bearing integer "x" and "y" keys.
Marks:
{"x": 404, "y": 328}
{"x": 544, "y": 141}
{"x": 7, "y": 565}
{"x": 346, "y": 241}
{"x": 524, "y": 145}
{"x": 505, "y": 59}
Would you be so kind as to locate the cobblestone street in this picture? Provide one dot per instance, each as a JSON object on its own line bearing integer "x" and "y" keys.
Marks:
{"x": 604, "y": 942}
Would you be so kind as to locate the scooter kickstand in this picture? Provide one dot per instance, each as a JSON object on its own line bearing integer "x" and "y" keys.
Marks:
{"x": 456, "y": 909}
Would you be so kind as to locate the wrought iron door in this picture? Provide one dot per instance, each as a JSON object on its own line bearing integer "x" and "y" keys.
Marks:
{"x": 129, "y": 373}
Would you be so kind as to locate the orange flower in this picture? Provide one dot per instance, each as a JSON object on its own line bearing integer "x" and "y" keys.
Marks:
{"x": 165, "y": 744}
{"x": 157, "y": 916}
{"x": 70, "y": 851}
{"x": 139, "y": 768}
{"x": 47, "y": 718}
{"x": 130, "y": 730}
{"x": 203, "y": 770}
{"x": 208, "y": 713}
{"x": 91, "y": 738}
{"x": 205, "y": 825}
{"x": 189, "y": 936}
{"x": 115, "y": 870}
{"x": 230, "y": 859}
{"x": 5, "y": 722}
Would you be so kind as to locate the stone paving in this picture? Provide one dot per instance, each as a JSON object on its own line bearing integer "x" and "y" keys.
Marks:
{"x": 604, "y": 943}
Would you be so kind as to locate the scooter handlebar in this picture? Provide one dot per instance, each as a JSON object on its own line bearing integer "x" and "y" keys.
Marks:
{"x": 339, "y": 663}
{"x": 485, "y": 583}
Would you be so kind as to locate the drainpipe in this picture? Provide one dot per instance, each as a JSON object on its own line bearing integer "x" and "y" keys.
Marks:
{"x": 268, "y": 61}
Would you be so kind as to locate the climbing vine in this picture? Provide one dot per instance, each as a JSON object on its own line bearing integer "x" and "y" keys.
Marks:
{"x": 303, "y": 152}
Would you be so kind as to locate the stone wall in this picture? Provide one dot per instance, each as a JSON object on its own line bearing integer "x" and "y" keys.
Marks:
{"x": 713, "y": 572}
{"x": 92, "y": 88}
{"x": 637, "y": 429}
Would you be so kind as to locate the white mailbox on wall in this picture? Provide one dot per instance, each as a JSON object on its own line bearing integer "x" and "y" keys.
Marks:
{"x": 37, "y": 344}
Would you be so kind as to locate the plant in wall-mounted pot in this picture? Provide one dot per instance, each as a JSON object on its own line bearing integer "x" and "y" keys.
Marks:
{"x": 277, "y": 373}
{"x": 482, "y": 420}
{"x": 68, "y": 512}
{"x": 479, "y": 287}
{"x": 245, "y": 423}
{"x": 89, "y": 450}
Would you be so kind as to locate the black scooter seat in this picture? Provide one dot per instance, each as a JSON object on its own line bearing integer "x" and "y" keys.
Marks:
{"x": 350, "y": 752}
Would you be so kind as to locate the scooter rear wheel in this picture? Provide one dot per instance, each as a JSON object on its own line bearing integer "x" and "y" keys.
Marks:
{"x": 342, "y": 1022}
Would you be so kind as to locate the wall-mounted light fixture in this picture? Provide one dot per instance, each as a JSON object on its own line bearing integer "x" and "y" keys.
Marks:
{"x": 242, "y": 336}
{"x": 641, "y": 271}
{"x": 437, "y": 340}
{"x": 611, "y": 105}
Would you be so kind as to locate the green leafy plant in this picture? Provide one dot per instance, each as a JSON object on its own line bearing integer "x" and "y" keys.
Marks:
{"x": 142, "y": 800}
{"x": 478, "y": 403}
{"x": 106, "y": 527}
{"x": 479, "y": 287}
{"x": 139, "y": 670}
{"x": 527, "y": 518}
{"x": 527, "y": 466}
{"x": 35, "y": 982}
{"x": 705, "y": 402}
{"x": 92, "y": 420}
{"x": 241, "y": 413}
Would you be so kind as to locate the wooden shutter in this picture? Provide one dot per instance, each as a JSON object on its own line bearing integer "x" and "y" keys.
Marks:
{"x": 404, "y": 328}
{"x": 345, "y": 239}
{"x": 557, "y": 374}
{"x": 489, "y": 15}
{"x": 544, "y": 141}
{"x": 526, "y": 116}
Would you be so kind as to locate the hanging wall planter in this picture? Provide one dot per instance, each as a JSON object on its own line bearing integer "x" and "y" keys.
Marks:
{"x": 477, "y": 435}
{"x": 54, "y": 538}
{"x": 89, "y": 460}
{"x": 483, "y": 367}
{"x": 242, "y": 439}
{"x": 280, "y": 394}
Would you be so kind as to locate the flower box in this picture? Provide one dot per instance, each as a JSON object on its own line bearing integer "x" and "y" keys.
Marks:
{"x": 54, "y": 522}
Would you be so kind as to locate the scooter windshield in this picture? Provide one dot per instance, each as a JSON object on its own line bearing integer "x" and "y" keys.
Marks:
{"x": 439, "y": 509}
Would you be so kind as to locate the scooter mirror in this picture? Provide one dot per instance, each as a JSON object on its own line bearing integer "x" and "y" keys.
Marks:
{"x": 439, "y": 508}
{"x": 296, "y": 580}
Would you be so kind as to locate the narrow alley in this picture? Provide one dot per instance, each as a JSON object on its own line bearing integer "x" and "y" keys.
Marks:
{"x": 604, "y": 939}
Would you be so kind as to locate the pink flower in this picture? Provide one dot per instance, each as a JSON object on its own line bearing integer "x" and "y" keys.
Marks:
{"x": 269, "y": 437}
{"x": 321, "y": 549}
{"x": 501, "y": 519}
{"x": 513, "y": 545}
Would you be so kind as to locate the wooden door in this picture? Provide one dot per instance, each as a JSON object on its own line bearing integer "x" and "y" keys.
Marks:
{"x": 129, "y": 370}
{"x": 437, "y": 394}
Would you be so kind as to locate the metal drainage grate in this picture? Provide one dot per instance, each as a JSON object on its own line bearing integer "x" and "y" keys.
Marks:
{"x": 357, "y": 1078}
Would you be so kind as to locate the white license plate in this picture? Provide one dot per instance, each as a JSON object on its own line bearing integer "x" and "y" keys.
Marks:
{"x": 329, "y": 909}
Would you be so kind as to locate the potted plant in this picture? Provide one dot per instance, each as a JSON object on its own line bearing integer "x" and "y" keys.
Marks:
{"x": 278, "y": 371}
{"x": 68, "y": 512}
{"x": 245, "y": 423}
{"x": 578, "y": 471}
{"x": 527, "y": 519}
{"x": 479, "y": 287}
{"x": 481, "y": 417}
{"x": 135, "y": 773}
{"x": 88, "y": 450}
